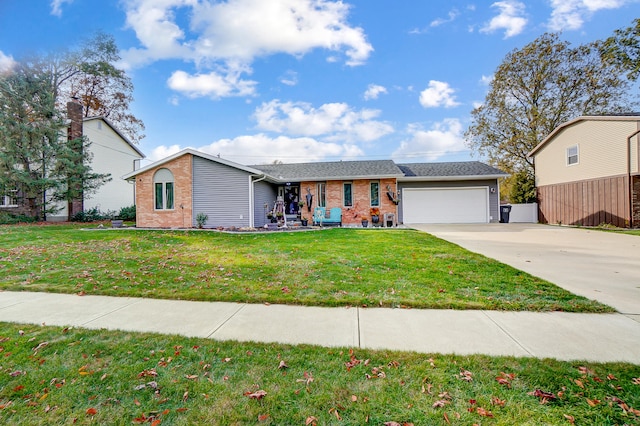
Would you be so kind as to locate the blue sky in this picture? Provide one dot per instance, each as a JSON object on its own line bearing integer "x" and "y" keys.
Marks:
{"x": 307, "y": 80}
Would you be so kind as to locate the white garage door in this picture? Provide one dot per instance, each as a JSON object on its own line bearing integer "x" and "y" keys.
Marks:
{"x": 445, "y": 205}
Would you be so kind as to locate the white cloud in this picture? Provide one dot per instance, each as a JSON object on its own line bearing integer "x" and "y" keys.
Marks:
{"x": 56, "y": 6}
{"x": 373, "y": 91}
{"x": 333, "y": 121}
{"x": 235, "y": 32}
{"x": 162, "y": 151}
{"x": 438, "y": 94}
{"x": 211, "y": 84}
{"x": 441, "y": 139}
{"x": 571, "y": 14}
{"x": 451, "y": 16}
{"x": 510, "y": 19}
{"x": 6, "y": 62}
{"x": 263, "y": 149}
{"x": 486, "y": 80}
{"x": 290, "y": 78}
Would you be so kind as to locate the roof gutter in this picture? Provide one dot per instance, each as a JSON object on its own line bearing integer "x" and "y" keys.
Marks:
{"x": 450, "y": 178}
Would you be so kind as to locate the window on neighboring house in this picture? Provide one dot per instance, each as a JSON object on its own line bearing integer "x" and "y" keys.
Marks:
{"x": 8, "y": 197}
{"x": 572, "y": 155}
{"x": 163, "y": 189}
{"x": 347, "y": 194}
{"x": 321, "y": 190}
{"x": 375, "y": 193}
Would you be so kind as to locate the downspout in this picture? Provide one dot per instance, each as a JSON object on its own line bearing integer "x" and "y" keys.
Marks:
{"x": 251, "y": 200}
{"x": 629, "y": 177}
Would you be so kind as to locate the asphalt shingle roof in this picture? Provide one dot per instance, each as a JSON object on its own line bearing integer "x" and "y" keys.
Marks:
{"x": 451, "y": 169}
{"x": 331, "y": 170}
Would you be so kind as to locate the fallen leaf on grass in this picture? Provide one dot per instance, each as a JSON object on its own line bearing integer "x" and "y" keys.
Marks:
{"x": 263, "y": 417}
{"x": 282, "y": 365}
{"x": 569, "y": 418}
{"x": 91, "y": 411}
{"x": 466, "y": 375}
{"x": 334, "y": 411}
{"x": 497, "y": 401}
{"x": 592, "y": 402}
{"x": 191, "y": 376}
{"x": 256, "y": 395}
{"x": 311, "y": 421}
{"x": 148, "y": 373}
{"x": 440, "y": 403}
{"x": 544, "y": 396}
{"x": 40, "y": 346}
{"x": 579, "y": 383}
{"x": 505, "y": 379}
{"x": 636, "y": 380}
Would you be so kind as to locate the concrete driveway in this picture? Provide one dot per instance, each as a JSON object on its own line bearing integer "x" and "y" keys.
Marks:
{"x": 603, "y": 266}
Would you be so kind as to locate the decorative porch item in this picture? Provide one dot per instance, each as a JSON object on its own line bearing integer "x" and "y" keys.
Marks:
{"x": 365, "y": 223}
{"x": 392, "y": 196}
{"x": 375, "y": 214}
{"x": 309, "y": 198}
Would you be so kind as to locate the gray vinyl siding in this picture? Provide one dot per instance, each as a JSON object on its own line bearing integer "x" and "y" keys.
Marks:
{"x": 222, "y": 193}
{"x": 264, "y": 193}
{"x": 494, "y": 201}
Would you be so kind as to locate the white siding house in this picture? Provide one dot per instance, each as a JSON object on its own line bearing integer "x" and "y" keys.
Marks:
{"x": 111, "y": 153}
{"x": 587, "y": 172}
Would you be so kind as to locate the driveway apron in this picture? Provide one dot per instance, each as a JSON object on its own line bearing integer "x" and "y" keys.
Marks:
{"x": 602, "y": 266}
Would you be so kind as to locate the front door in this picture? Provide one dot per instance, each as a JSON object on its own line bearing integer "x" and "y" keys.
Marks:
{"x": 291, "y": 198}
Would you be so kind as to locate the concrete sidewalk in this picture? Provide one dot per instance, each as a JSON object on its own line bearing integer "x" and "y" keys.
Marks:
{"x": 565, "y": 336}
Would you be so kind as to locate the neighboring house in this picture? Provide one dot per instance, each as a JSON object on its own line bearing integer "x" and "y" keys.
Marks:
{"x": 170, "y": 193}
{"x": 587, "y": 172}
{"x": 111, "y": 153}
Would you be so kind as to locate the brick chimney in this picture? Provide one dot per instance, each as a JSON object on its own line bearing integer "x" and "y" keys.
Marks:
{"x": 74, "y": 134}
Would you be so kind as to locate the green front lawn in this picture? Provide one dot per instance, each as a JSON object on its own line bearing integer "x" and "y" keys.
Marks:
{"x": 336, "y": 267}
{"x": 51, "y": 375}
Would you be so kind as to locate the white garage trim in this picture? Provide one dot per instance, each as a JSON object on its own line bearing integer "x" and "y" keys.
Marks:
{"x": 446, "y": 205}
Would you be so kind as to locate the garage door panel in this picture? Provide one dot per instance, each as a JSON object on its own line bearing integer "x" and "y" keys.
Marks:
{"x": 445, "y": 205}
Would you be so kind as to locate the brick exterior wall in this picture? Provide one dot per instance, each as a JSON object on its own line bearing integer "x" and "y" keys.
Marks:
{"x": 180, "y": 217}
{"x": 361, "y": 199}
{"x": 75, "y": 132}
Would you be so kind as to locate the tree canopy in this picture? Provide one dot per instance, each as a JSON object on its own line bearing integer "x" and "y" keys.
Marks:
{"x": 36, "y": 156}
{"x": 537, "y": 88}
{"x": 623, "y": 49}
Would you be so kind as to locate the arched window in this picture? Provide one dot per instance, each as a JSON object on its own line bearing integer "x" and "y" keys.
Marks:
{"x": 163, "y": 189}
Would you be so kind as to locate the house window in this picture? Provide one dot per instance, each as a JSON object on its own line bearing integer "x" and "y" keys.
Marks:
{"x": 321, "y": 190}
{"x": 163, "y": 189}
{"x": 572, "y": 155}
{"x": 8, "y": 198}
{"x": 375, "y": 193}
{"x": 347, "y": 194}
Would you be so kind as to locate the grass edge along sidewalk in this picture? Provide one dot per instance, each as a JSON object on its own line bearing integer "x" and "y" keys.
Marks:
{"x": 54, "y": 375}
{"x": 336, "y": 267}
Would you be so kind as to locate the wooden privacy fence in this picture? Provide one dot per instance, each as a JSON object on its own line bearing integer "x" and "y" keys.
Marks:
{"x": 586, "y": 203}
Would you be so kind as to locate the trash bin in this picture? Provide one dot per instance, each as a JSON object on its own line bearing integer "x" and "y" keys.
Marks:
{"x": 504, "y": 214}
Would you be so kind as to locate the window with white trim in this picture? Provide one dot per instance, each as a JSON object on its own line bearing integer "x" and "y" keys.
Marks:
{"x": 347, "y": 194}
{"x": 8, "y": 197}
{"x": 163, "y": 187}
{"x": 572, "y": 155}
